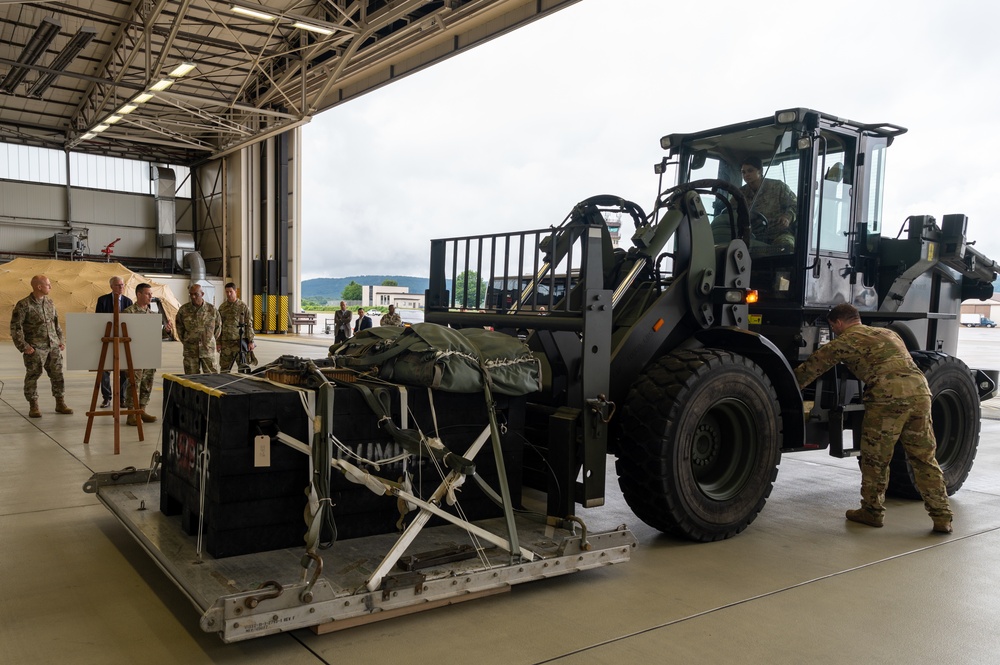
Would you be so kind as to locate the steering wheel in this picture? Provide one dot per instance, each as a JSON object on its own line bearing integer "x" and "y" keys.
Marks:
{"x": 758, "y": 224}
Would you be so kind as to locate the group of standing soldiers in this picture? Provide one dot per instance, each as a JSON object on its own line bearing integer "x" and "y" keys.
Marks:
{"x": 205, "y": 331}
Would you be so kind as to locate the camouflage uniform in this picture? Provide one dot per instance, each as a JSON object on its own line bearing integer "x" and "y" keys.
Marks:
{"x": 342, "y": 325}
{"x": 145, "y": 375}
{"x": 36, "y": 324}
{"x": 772, "y": 200}
{"x": 897, "y": 408}
{"x": 233, "y": 314}
{"x": 391, "y": 320}
{"x": 198, "y": 328}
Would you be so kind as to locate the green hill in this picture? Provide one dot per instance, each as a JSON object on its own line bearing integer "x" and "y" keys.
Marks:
{"x": 331, "y": 287}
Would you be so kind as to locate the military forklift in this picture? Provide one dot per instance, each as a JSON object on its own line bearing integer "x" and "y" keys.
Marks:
{"x": 675, "y": 354}
{"x": 677, "y": 357}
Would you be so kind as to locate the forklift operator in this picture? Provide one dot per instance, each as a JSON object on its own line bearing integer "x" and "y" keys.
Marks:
{"x": 772, "y": 200}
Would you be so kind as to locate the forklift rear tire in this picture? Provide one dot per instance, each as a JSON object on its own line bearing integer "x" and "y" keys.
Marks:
{"x": 700, "y": 444}
{"x": 955, "y": 411}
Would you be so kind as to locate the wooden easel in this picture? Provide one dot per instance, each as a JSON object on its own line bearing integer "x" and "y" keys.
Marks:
{"x": 116, "y": 342}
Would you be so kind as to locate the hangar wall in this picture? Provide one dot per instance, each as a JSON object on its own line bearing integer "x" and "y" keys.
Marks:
{"x": 31, "y": 213}
{"x": 244, "y": 213}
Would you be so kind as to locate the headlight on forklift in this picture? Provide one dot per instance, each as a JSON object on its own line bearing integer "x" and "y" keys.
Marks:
{"x": 786, "y": 117}
{"x": 735, "y": 296}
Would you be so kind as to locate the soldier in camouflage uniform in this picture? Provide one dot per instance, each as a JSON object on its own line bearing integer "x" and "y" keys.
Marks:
{"x": 143, "y": 296}
{"x": 772, "y": 199}
{"x": 391, "y": 319}
{"x": 233, "y": 313}
{"x": 35, "y": 331}
{"x": 198, "y": 327}
{"x": 897, "y": 408}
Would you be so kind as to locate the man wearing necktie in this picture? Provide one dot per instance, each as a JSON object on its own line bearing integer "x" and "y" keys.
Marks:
{"x": 106, "y": 305}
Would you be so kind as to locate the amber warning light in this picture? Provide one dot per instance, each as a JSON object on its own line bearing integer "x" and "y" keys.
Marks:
{"x": 752, "y": 296}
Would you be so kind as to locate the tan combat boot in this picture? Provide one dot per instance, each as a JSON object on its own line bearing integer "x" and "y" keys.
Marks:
{"x": 942, "y": 524}
{"x": 130, "y": 421}
{"x": 33, "y": 410}
{"x": 61, "y": 406}
{"x": 148, "y": 417}
{"x": 862, "y": 516}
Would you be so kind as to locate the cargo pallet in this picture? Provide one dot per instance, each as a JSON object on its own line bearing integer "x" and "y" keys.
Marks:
{"x": 252, "y": 595}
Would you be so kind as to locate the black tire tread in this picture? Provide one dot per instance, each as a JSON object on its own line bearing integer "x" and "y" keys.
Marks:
{"x": 654, "y": 403}
{"x": 933, "y": 364}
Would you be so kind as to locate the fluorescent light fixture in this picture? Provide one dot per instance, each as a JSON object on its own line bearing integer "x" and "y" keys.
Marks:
{"x": 162, "y": 85}
{"x": 312, "y": 28}
{"x": 112, "y": 119}
{"x": 252, "y": 13}
{"x": 33, "y": 50}
{"x": 142, "y": 98}
{"x": 88, "y": 136}
{"x": 182, "y": 69}
{"x": 125, "y": 110}
{"x": 100, "y": 128}
{"x": 77, "y": 43}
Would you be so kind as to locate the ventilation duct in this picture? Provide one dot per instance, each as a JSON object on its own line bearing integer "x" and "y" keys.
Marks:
{"x": 181, "y": 245}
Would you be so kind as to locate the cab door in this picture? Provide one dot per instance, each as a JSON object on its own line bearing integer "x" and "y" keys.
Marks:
{"x": 831, "y": 276}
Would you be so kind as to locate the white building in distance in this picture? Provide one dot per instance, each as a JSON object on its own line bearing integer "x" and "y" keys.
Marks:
{"x": 383, "y": 296}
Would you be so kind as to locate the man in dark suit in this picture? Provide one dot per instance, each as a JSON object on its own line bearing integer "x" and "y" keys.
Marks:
{"x": 363, "y": 321}
{"x": 106, "y": 305}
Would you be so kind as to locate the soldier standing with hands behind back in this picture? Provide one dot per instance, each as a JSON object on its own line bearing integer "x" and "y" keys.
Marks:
{"x": 35, "y": 331}
{"x": 199, "y": 326}
{"x": 897, "y": 408}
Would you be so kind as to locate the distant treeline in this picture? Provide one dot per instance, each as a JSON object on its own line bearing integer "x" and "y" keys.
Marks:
{"x": 331, "y": 288}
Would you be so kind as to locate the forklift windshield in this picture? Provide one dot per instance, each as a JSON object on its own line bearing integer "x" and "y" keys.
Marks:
{"x": 763, "y": 163}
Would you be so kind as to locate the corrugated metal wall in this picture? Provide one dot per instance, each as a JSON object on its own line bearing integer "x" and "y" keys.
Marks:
{"x": 31, "y": 213}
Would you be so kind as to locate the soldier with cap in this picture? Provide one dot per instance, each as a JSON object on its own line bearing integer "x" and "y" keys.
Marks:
{"x": 897, "y": 408}
{"x": 773, "y": 200}
{"x": 234, "y": 313}
{"x": 35, "y": 330}
{"x": 199, "y": 326}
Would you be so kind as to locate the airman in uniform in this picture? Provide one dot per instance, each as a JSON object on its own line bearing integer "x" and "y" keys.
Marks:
{"x": 233, "y": 313}
{"x": 199, "y": 326}
{"x": 35, "y": 330}
{"x": 774, "y": 200}
{"x": 143, "y": 296}
{"x": 897, "y": 408}
{"x": 391, "y": 318}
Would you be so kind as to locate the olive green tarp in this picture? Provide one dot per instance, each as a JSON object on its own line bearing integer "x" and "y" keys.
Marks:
{"x": 435, "y": 356}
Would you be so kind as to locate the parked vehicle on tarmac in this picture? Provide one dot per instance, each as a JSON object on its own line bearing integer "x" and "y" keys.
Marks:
{"x": 977, "y": 321}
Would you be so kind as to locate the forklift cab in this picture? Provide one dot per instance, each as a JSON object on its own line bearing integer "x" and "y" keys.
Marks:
{"x": 827, "y": 174}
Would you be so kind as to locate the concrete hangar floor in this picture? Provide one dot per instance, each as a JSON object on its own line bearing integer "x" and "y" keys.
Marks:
{"x": 800, "y": 585}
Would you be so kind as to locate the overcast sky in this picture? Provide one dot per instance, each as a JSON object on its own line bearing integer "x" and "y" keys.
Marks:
{"x": 510, "y": 135}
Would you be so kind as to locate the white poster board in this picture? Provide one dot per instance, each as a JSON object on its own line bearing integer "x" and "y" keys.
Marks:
{"x": 84, "y": 332}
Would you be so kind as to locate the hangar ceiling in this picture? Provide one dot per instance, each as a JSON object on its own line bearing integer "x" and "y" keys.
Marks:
{"x": 107, "y": 76}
